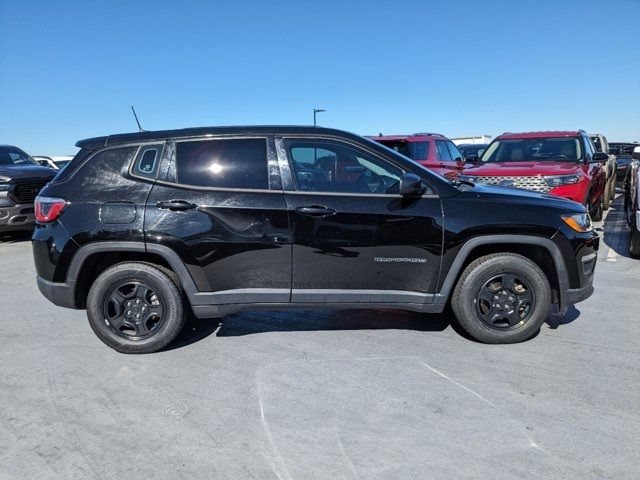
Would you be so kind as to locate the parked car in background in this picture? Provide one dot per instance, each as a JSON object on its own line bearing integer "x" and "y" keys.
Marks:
{"x": 432, "y": 150}
{"x": 558, "y": 163}
{"x": 623, "y": 153}
{"x": 55, "y": 162}
{"x": 471, "y": 152}
{"x": 21, "y": 179}
{"x": 140, "y": 228}
{"x": 601, "y": 145}
{"x": 632, "y": 201}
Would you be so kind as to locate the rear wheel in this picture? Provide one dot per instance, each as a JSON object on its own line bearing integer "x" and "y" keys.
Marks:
{"x": 502, "y": 298}
{"x": 136, "y": 307}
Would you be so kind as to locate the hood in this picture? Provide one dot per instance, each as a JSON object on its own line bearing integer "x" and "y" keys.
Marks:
{"x": 524, "y": 168}
{"x": 517, "y": 196}
{"x": 17, "y": 172}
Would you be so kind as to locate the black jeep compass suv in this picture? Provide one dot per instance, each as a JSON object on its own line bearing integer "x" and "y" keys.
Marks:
{"x": 141, "y": 227}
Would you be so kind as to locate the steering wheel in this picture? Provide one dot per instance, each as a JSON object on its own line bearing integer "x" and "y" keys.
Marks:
{"x": 559, "y": 156}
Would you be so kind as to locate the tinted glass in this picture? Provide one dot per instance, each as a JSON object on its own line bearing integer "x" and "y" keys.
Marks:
{"x": 453, "y": 150}
{"x": 589, "y": 149}
{"x": 14, "y": 156}
{"x": 413, "y": 150}
{"x": 147, "y": 160}
{"x": 468, "y": 150}
{"x": 233, "y": 163}
{"x": 332, "y": 167}
{"x": 443, "y": 153}
{"x": 555, "y": 149}
{"x": 596, "y": 143}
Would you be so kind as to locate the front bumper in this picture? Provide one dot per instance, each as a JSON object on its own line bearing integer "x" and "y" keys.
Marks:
{"x": 60, "y": 294}
{"x": 17, "y": 217}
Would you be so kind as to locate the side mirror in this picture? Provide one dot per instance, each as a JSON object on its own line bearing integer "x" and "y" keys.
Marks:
{"x": 636, "y": 153}
{"x": 471, "y": 158}
{"x": 411, "y": 185}
{"x": 600, "y": 157}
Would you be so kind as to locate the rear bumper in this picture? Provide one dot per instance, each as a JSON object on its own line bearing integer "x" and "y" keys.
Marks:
{"x": 17, "y": 217}
{"x": 61, "y": 294}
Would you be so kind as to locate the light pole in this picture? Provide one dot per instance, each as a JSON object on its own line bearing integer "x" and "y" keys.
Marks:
{"x": 316, "y": 111}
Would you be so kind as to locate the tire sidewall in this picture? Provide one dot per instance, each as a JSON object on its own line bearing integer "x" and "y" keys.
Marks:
{"x": 162, "y": 285}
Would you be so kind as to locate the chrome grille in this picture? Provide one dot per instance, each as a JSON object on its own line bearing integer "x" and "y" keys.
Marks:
{"x": 535, "y": 183}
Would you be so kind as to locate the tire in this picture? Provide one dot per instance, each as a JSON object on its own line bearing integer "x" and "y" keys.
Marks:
{"x": 136, "y": 307}
{"x": 609, "y": 191}
{"x": 634, "y": 245}
{"x": 597, "y": 212}
{"x": 468, "y": 306}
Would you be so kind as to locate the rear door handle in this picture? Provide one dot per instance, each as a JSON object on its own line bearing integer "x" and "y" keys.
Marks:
{"x": 316, "y": 211}
{"x": 176, "y": 205}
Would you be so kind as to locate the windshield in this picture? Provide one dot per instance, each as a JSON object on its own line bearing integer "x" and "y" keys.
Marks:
{"x": 413, "y": 150}
{"x": 552, "y": 149}
{"x": 596, "y": 143}
{"x": 468, "y": 150}
{"x": 14, "y": 156}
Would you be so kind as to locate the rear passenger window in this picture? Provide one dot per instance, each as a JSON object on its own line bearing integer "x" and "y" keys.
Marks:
{"x": 232, "y": 163}
{"x": 147, "y": 160}
{"x": 443, "y": 151}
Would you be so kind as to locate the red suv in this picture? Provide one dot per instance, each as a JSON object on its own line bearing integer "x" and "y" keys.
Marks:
{"x": 565, "y": 164}
{"x": 434, "y": 151}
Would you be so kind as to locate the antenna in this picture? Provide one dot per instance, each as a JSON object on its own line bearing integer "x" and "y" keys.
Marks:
{"x": 140, "y": 129}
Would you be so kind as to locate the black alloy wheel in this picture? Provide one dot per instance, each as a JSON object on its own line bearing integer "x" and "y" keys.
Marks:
{"x": 505, "y": 301}
{"x": 133, "y": 310}
{"x": 136, "y": 307}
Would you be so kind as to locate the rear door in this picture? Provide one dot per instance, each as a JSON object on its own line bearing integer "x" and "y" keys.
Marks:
{"x": 220, "y": 206}
{"x": 355, "y": 239}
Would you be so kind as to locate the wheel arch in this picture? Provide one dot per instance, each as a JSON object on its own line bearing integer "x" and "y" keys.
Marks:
{"x": 541, "y": 250}
{"x": 92, "y": 259}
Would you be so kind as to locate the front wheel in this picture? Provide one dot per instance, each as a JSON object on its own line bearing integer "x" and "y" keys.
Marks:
{"x": 501, "y": 298}
{"x": 136, "y": 307}
{"x": 634, "y": 246}
{"x": 597, "y": 211}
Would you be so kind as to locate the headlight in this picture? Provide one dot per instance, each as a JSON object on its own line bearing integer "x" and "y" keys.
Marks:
{"x": 557, "y": 180}
{"x": 580, "y": 222}
{"x": 4, "y": 189}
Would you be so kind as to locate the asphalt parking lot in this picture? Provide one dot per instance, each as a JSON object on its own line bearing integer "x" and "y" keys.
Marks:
{"x": 323, "y": 394}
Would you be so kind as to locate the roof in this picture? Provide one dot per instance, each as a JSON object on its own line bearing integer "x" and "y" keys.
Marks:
{"x": 412, "y": 137}
{"x": 149, "y": 136}
{"x": 543, "y": 134}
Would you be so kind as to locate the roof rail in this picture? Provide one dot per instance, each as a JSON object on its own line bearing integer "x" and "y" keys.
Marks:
{"x": 420, "y": 134}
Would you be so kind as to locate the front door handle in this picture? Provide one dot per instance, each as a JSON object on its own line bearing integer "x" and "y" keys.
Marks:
{"x": 316, "y": 211}
{"x": 176, "y": 205}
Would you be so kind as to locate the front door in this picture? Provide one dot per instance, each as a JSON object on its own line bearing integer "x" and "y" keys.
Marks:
{"x": 355, "y": 239}
{"x": 220, "y": 210}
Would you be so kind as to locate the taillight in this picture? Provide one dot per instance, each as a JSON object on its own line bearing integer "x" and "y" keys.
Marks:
{"x": 48, "y": 208}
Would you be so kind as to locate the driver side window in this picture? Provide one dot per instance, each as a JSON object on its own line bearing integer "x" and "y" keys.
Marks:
{"x": 325, "y": 166}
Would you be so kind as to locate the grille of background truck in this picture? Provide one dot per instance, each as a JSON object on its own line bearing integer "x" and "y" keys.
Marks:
{"x": 26, "y": 192}
{"x": 535, "y": 183}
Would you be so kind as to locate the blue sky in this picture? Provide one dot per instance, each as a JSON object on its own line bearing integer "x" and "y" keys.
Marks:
{"x": 70, "y": 70}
